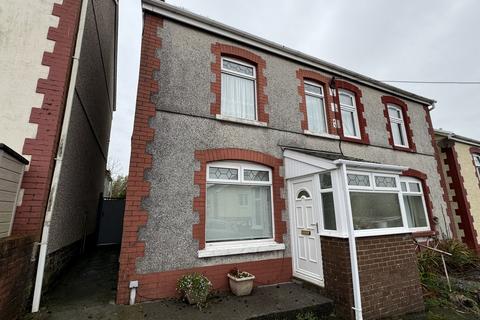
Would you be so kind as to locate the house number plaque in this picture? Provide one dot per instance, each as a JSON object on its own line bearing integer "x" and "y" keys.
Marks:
{"x": 306, "y": 232}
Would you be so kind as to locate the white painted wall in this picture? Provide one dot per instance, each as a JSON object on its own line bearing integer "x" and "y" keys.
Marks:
{"x": 23, "y": 40}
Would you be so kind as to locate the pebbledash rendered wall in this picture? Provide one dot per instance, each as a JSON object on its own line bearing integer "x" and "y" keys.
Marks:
{"x": 174, "y": 124}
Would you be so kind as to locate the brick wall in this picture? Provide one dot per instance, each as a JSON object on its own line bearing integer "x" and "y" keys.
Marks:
{"x": 17, "y": 272}
{"x": 389, "y": 279}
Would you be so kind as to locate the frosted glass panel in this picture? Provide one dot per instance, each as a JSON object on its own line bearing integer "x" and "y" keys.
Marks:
{"x": 236, "y": 212}
{"x": 238, "y": 97}
{"x": 416, "y": 216}
{"x": 375, "y": 210}
{"x": 315, "y": 114}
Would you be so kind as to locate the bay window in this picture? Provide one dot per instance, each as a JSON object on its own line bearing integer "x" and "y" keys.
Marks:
{"x": 239, "y": 202}
{"x": 238, "y": 89}
{"x": 315, "y": 101}
{"x": 349, "y": 114}
{"x": 397, "y": 126}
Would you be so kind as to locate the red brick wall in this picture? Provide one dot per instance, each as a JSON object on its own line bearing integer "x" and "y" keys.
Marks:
{"x": 219, "y": 50}
{"x": 42, "y": 149}
{"x": 324, "y": 81}
{"x": 340, "y": 84}
{"x": 406, "y": 119}
{"x": 17, "y": 274}
{"x": 389, "y": 278}
{"x": 205, "y": 156}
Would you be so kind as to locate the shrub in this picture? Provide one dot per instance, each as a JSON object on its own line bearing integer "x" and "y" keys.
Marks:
{"x": 195, "y": 287}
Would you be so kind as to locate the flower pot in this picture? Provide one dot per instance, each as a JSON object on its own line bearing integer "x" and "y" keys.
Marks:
{"x": 241, "y": 286}
{"x": 194, "y": 299}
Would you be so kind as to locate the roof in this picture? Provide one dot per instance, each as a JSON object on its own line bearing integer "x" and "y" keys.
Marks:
{"x": 323, "y": 154}
{"x": 456, "y": 137}
{"x": 212, "y": 26}
{"x": 12, "y": 153}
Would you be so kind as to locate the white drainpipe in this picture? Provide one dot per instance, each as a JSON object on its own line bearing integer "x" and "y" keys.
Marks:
{"x": 58, "y": 162}
{"x": 357, "y": 297}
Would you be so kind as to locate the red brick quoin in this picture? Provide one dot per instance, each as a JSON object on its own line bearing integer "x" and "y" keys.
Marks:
{"x": 340, "y": 84}
{"x": 135, "y": 216}
{"x": 220, "y": 50}
{"x": 205, "y": 156}
{"x": 406, "y": 119}
{"x": 426, "y": 194}
{"x": 443, "y": 183}
{"x": 42, "y": 149}
{"x": 324, "y": 81}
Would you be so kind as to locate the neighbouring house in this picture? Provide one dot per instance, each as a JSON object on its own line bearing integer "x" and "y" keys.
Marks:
{"x": 57, "y": 84}
{"x": 248, "y": 154}
{"x": 460, "y": 160}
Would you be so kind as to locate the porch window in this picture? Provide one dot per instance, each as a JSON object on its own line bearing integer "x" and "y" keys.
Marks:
{"x": 239, "y": 202}
{"x": 238, "y": 89}
{"x": 328, "y": 208}
{"x": 315, "y": 101}
{"x": 414, "y": 203}
{"x": 349, "y": 112}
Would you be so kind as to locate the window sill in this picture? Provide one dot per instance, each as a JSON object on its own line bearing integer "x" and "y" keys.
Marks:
{"x": 322, "y": 135}
{"x": 242, "y": 121}
{"x": 400, "y": 148}
{"x": 227, "y": 249}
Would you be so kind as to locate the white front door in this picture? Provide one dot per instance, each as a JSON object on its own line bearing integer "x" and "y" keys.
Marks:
{"x": 304, "y": 215}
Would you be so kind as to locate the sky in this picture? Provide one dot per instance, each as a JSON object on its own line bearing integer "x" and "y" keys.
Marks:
{"x": 429, "y": 40}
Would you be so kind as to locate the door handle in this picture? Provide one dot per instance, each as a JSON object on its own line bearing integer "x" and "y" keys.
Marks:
{"x": 315, "y": 224}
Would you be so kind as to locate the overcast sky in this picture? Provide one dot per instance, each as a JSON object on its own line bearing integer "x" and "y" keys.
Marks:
{"x": 429, "y": 40}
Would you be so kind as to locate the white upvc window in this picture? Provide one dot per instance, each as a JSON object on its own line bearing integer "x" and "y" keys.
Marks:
{"x": 414, "y": 203}
{"x": 315, "y": 103}
{"x": 348, "y": 108}
{"x": 397, "y": 126}
{"x": 476, "y": 161}
{"x": 327, "y": 202}
{"x": 239, "y": 98}
{"x": 375, "y": 200}
{"x": 239, "y": 205}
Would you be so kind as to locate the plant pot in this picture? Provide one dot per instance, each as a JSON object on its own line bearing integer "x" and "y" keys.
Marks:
{"x": 193, "y": 299}
{"x": 241, "y": 286}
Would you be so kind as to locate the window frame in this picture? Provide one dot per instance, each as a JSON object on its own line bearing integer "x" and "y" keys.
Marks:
{"x": 316, "y": 95}
{"x": 244, "y": 76}
{"x": 421, "y": 193}
{"x": 401, "y": 122}
{"x": 476, "y": 163}
{"x": 241, "y": 166}
{"x": 353, "y": 109}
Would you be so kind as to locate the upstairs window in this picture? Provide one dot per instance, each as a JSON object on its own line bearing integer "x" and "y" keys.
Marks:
{"x": 315, "y": 101}
{"x": 238, "y": 89}
{"x": 239, "y": 202}
{"x": 476, "y": 161}
{"x": 348, "y": 108}
{"x": 414, "y": 203}
{"x": 397, "y": 125}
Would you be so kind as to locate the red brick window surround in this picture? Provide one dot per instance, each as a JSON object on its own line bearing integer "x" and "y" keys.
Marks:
{"x": 308, "y": 75}
{"x": 422, "y": 177}
{"x": 220, "y": 50}
{"x": 389, "y": 100}
{"x": 360, "y": 108}
{"x": 200, "y": 177}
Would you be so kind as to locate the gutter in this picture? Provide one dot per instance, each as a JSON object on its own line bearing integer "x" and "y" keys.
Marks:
{"x": 58, "y": 161}
{"x": 209, "y": 25}
{"x": 455, "y": 137}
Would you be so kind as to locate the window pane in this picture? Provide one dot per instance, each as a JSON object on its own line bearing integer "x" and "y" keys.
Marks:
{"x": 375, "y": 210}
{"x": 358, "y": 180}
{"x": 238, "y": 97}
{"x": 394, "y": 112}
{"x": 346, "y": 99}
{"x": 315, "y": 114}
{"x": 477, "y": 160}
{"x": 304, "y": 194}
{"x": 313, "y": 89}
{"x": 416, "y": 215}
{"x": 348, "y": 120}
{"x": 237, "y": 67}
{"x": 404, "y": 186}
{"x": 329, "y": 221}
{"x": 414, "y": 187}
{"x": 325, "y": 180}
{"x": 398, "y": 134}
{"x": 227, "y": 220}
{"x": 256, "y": 175}
{"x": 222, "y": 173}
{"x": 385, "y": 182}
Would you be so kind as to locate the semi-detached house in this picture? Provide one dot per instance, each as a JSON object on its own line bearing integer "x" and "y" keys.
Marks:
{"x": 248, "y": 154}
